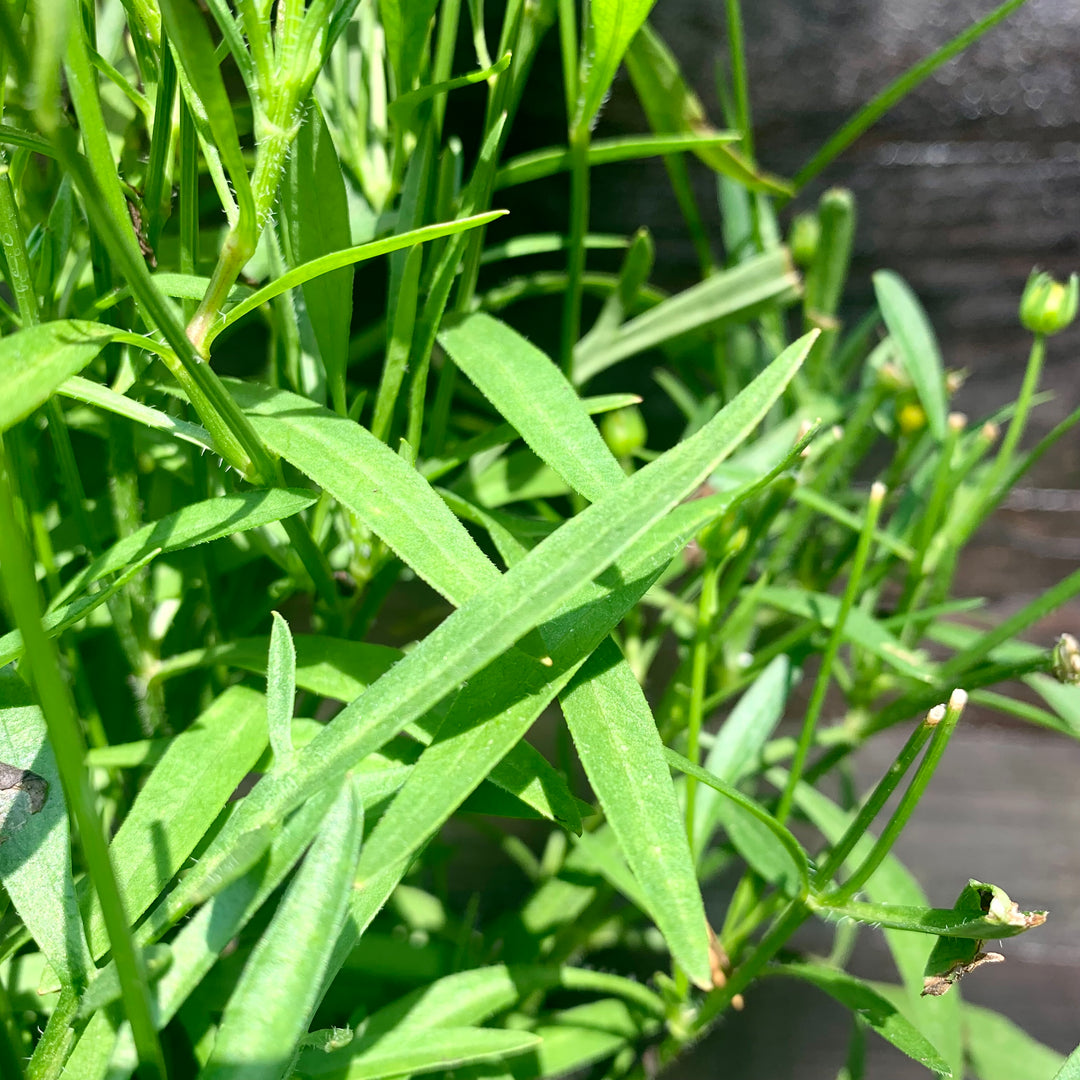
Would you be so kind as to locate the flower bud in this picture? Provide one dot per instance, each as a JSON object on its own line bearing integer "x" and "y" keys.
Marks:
{"x": 1066, "y": 660}
{"x": 911, "y": 418}
{"x": 624, "y": 431}
{"x": 803, "y": 238}
{"x": 1048, "y": 306}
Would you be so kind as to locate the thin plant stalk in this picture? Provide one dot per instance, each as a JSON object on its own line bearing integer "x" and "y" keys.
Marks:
{"x": 879, "y": 797}
{"x": 817, "y": 697}
{"x": 66, "y": 739}
{"x": 943, "y": 730}
{"x": 575, "y": 262}
{"x": 698, "y": 674}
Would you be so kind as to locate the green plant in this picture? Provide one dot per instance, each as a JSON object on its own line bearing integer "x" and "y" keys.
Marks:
{"x": 451, "y": 556}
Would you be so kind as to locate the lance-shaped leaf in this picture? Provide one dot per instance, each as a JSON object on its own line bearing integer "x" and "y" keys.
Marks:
{"x": 914, "y": 337}
{"x": 197, "y": 523}
{"x": 316, "y": 218}
{"x": 615, "y": 734}
{"x": 671, "y": 106}
{"x": 500, "y": 615}
{"x": 278, "y": 991}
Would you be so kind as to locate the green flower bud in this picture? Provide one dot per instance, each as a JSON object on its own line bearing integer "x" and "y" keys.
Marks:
{"x": 1048, "y": 306}
{"x": 624, "y": 431}
{"x": 803, "y": 238}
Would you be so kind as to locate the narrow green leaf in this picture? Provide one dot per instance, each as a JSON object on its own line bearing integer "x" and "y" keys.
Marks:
{"x": 672, "y": 107}
{"x": 731, "y": 296}
{"x": 335, "y": 668}
{"x": 280, "y": 688}
{"x": 504, "y": 612}
{"x": 741, "y": 739}
{"x": 67, "y": 615}
{"x": 880, "y": 1014}
{"x": 614, "y": 24}
{"x": 181, "y": 800}
{"x": 997, "y": 1049}
{"x": 205, "y": 92}
{"x": 516, "y": 477}
{"x": 315, "y": 210}
{"x": 278, "y": 991}
{"x": 398, "y": 345}
{"x": 327, "y": 666}
{"x": 201, "y": 940}
{"x": 616, "y": 738}
{"x": 916, "y": 343}
{"x": 327, "y": 263}
{"x": 35, "y": 852}
{"x": 489, "y": 716}
{"x": 198, "y": 523}
{"x": 103, "y": 397}
{"x": 534, "y": 396}
{"x": 576, "y": 1038}
{"x": 540, "y": 164}
{"x": 382, "y": 489}
{"x": 439, "y": 1050}
{"x": 36, "y": 360}
{"x": 400, "y": 105}
{"x": 633, "y": 276}
{"x": 471, "y": 997}
{"x": 406, "y": 24}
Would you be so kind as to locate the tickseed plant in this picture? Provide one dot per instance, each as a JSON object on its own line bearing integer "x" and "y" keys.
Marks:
{"x": 277, "y": 642}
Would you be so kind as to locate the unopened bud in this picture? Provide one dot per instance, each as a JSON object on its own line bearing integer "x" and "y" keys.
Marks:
{"x": 1048, "y": 306}
{"x": 958, "y": 699}
{"x": 954, "y": 380}
{"x": 989, "y": 432}
{"x": 957, "y": 421}
{"x": 804, "y": 237}
{"x": 911, "y": 418}
{"x": 935, "y": 715}
{"x": 1066, "y": 660}
{"x": 624, "y": 431}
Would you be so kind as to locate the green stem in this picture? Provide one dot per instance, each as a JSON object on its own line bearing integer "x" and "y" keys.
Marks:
{"x": 66, "y": 739}
{"x": 880, "y": 796}
{"x": 943, "y": 730}
{"x": 942, "y": 487}
{"x": 575, "y": 262}
{"x": 992, "y": 486}
{"x": 821, "y": 685}
{"x": 740, "y": 82}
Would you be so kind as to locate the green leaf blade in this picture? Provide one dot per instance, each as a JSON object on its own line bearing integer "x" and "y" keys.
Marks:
{"x": 917, "y": 344}
{"x": 36, "y": 360}
{"x": 534, "y": 396}
{"x": 619, "y": 746}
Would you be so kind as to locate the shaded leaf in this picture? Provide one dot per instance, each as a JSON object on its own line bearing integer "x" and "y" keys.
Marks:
{"x": 36, "y": 360}
{"x": 35, "y": 859}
